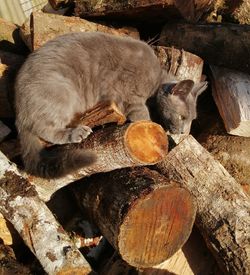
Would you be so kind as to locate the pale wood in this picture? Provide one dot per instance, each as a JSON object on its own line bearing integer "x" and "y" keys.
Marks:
{"x": 5, "y": 234}
{"x": 43, "y": 27}
{"x": 231, "y": 93}
{"x": 136, "y": 144}
{"x": 4, "y": 131}
{"x": 217, "y": 44}
{"x": 36, "y": 224}
{"x": 223, "y": 215}
{"x": 179, "y": 63}
{"x": 145, "y": 217}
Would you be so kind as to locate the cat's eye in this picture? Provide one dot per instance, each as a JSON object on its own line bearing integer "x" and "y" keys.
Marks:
{"x": 181, "y": 117}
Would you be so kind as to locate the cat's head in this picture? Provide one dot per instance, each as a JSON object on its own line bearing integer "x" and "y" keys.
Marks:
{"x": 176, "y": 104}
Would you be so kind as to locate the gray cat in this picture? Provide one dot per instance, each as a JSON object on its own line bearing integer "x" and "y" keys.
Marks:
{"x": 72, "y": 73}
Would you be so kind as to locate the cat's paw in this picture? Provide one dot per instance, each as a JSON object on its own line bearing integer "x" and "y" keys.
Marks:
{"x": 79, "y": 133}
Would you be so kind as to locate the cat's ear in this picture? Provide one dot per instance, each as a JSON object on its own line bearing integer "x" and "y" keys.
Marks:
{"x": 199, "y": 88}
{"x": 180, "y": 89}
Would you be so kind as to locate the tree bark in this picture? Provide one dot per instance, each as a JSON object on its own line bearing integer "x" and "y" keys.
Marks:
{"x": 181, "y": 64}
{"x": 218, "y": 44}
{"x": 32, "y": 219}
{"x": 136, "y": 144}
{"x": 231, "y": 94}
{"x": 43, "y": 27}
{"x": 223, "y": 215}
{"x": 145, "y": 217}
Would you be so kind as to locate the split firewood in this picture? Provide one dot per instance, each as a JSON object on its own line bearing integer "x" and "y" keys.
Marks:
{"x": 223, "y": 214}
{"x": 9, "y": 37}
{"x": 5, "y": 234}
{"x": 4, "y": 131}
{"x": 179, "y": 63}
{"x": 237, "y": 11}
{"x": 135, "y": 144}
{"x": 42, "y": 27}
{"x": 31, "y": 218}
{"x": 218, "y": 44}
{"x": 231, "y": 93}
{"x": 5, "y": 108}
{"x": 145, "y": 217}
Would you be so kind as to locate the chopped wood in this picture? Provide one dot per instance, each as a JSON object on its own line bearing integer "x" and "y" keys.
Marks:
{"x": 140, "y": 10}
{"x": 43, "y": 27}
{"x": 102, "y": 113}
{"x": 145, "y": 217}
{"x": 5, "y": 234}
{"x": 231, "y": 92}
{"x": 179, "y": 63}
{"x": 4, "y": 131}
{"x": 218, "y": 44}
{"x": 5, "y": 108}
{"x": 223, "y": 215}
{"x": 135, "y": 144}
{"x": 9, "y": 38}
{"x": 32, "y": 219}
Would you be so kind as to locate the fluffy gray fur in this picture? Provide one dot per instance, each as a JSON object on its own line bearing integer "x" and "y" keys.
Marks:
{"x": 72, "y": 73}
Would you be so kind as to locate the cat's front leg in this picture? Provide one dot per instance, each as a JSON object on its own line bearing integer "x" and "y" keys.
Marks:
{"x": 138, "y": 112}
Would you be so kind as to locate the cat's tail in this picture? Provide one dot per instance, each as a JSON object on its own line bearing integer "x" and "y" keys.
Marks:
{"x": 52, "y": 162}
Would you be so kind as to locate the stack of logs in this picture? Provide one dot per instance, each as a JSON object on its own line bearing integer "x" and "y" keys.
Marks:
{"x": 155, "y": 187}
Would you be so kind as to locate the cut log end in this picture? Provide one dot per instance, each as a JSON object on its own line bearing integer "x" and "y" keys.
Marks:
{"x": 164, "y": 219}
{"x": 146, "y": 141}
{"x": 76, "y": 270}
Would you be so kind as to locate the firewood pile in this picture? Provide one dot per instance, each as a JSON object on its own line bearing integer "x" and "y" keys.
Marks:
{"x": 153, "y": 203}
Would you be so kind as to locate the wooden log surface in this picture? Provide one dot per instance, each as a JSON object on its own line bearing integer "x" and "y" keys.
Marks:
{"x": 231, "y": 93}
{"x": 217, "y": 44}
{"x": 136, "y": 144}
{"x": 43, "y": 27}
{"x": 179, "y": 63}
{"x": 145, "y": 217}
{"x": 223, "y": 214}
{"x": 31, "y": 218}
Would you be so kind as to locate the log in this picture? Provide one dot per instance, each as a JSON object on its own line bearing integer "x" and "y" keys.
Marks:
{"x": 136, "y": 144}
{"x": 231, "y": 94}
{"x": 5, "y": 234}
{"x": 142, "y": 214}
{"x": 141, "y": 10}
{"x": 179, "y": 63}
{"x": 5, "y": 107}
{"x": 43, "y": 27}
{"x": 31, "y": 218}
{"x": 9, "y": 38}
{"x": 4, "y": 131}
{"x": 192, "y": 259}
{"x": 9, "y": 65}
{"x": 223, "y": 214}
{"x": 236, "y": 11}
{"x": 205, "y": 40}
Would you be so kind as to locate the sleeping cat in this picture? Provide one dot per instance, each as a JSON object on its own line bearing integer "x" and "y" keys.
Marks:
{"x": 72, "y": 73}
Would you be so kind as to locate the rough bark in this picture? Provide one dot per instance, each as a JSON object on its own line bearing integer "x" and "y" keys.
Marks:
{"x": 142, "y": 10}
{"x": 42, "y": 27}
{"x": 144, "y": 216}
{"x": 218, "y": 44}
{"x": 231, "y": 94}
{"x": 136, "y": 144}
{"x": 181, "y": 64}
{"x": 31, "y": 218}
{"x": 223, "y": 215}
